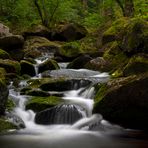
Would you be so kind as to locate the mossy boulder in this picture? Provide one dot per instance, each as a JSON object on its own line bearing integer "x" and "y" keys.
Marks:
{"x": 3, "y": 96}
{"x": 11, "y": 42}
{"x": 136, "y": 65}
{"x": 37, "y": 30}
{"x": 124, "y": 101}
{"x": 38, "y": 104}
{"x": 64, "y": 84}
{"x": 70, "y": 51}
{"x": 37, "y": 46}
{"x": 116, "y": 31}
{"x": 115, "y": 57}
{"x": 70, "y": 32}
{"x": 27, "y": 68}
{"x": 4, "y": 54}
{"x": 5, "y": 125}
{"x": 131, "y": 35}
{"x": 135, "y": 37}
{"x": 79, "y": 62}
{"x": 48, "y": 65}
{"x": 10, "y": 66}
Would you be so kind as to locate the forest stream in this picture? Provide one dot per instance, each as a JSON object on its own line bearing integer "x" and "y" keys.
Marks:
{"x": 90, "y": 131}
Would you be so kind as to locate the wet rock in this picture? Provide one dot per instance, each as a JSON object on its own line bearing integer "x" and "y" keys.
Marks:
{"x": 27, "y": 68}
{"x": 38, "y": 104}
{"x": 11, "y": 42}
{"x": 10, "y": 66}
{"x": 64, "y": 84}
{"x": 70, "y": 32}
{"x": 79, "y": 62}
{"x": 81, "y": 74}
{"x": 61, "y": 114}
{"x": 6, "y": 125}
{"x": 15, "y": 120}
{"x": 124, "y": 101}
{"x": 48, "y": 65}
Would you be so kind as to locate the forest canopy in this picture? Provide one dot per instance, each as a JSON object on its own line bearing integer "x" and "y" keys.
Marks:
{"x": 90, "y": 13}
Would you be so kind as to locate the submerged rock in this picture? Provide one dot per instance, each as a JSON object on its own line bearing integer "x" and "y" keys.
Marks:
{"x": 61, "y": 114}
{"x": 124, "y": 101}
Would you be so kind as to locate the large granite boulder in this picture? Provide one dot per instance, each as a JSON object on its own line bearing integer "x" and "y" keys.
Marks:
{"x": 124, "y": 101}
{"x": 61, "y": 114}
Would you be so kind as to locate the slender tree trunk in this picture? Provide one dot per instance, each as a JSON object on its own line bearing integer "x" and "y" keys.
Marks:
{"x": 85, "y": 4}
{"x": 39, "y": 11}
{"x": 129, "y": 8}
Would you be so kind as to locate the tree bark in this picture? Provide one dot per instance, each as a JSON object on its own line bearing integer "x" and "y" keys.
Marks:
{"x": 39, "y": 11}
{"x": 127, "y": 7}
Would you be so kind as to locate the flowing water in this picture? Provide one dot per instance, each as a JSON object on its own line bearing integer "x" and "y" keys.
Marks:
{"x": 92, "y": 131}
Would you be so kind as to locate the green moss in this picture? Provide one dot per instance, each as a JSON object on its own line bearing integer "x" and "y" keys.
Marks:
{"x": 10, "y": 105}
{"x": 135, "y": 37}
{"x": 36, "y": 83}
{"x": 136, "y": 65}
{"x": 41, "y": 103}
{"x": 71, "y": 49}
{"x": 10, "y": 66}
{"x": 4, "y": 54}
{"x": 101, "y": 90}
{"x": 5, "y": 125}
{"x": 115, "y": 56}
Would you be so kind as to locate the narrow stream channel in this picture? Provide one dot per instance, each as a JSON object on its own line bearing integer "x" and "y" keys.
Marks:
{"x": 92, "y": 131}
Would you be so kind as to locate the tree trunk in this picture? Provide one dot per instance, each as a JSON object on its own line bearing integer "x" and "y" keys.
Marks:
{"x": 84, "y": 3}
{"x": 129, "y": 8}
{"x": 39, "y": 11}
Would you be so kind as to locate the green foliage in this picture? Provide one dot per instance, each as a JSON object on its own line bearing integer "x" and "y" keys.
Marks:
{"x": 23, "y": 13}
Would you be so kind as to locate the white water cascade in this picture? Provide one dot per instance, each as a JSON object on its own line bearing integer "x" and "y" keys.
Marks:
{"x": 89, "y": 132}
